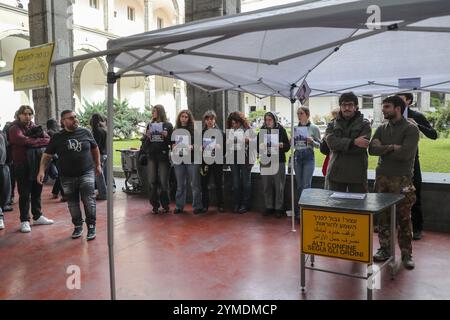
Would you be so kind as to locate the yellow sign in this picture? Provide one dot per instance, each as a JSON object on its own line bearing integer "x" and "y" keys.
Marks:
{"x": 333, "y": 234}
{"x": 32, "y": 66}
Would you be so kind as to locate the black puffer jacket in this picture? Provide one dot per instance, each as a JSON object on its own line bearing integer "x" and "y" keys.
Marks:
{"x": 282, "y": 136}
{"x": 158, "y": 150}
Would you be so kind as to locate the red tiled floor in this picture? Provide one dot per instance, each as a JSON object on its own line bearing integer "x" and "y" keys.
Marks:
{"x": 212, "y": 256}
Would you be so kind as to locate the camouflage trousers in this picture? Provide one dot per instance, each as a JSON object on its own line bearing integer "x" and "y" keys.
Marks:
{"x": 403, "y": 185}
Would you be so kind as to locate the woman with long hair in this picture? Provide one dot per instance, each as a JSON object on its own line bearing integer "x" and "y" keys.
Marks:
{"x": 52, "y": 170}
{"x": 304, "y": 160}
{"x": 215, "y": 169}
{"x": 156, "y": 145}
{"x": 99, "y": 131}
{"x": 184, "y": 166}
{"x": 238, "y": 147}
{"x": 275, "y": 136}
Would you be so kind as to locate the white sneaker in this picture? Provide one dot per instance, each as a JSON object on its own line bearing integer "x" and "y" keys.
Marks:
{"x": 42, "y": 220}
{"x": 25, "y": 227}
{"x": 2, "y": 224}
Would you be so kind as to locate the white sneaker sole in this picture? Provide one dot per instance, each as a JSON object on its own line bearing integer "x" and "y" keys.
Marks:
{"x": 42, "y": 223}
{"x": 25, "y": 230}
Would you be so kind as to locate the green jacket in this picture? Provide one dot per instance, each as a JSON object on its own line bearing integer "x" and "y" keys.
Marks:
{"x": 398, "y": 162}
{"x": 348, "y": 163}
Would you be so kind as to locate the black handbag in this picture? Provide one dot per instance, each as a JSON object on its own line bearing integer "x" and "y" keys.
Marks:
{"x": 142, "y": 158}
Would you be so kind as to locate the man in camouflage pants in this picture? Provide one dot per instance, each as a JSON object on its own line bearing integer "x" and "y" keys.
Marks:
{"x": 395, "y": 142}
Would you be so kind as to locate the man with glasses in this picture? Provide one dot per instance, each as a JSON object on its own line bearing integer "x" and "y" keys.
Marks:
{"x": 29, "y": 189}
{"x": 78, "y": 163}
{"x": 348, "y": 138}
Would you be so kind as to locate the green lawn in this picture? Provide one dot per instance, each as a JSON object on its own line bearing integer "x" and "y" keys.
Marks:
{"x": 123, "y": 144}
{"x": 434, "y": 154}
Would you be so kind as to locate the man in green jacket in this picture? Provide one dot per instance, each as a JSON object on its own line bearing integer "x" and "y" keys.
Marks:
{"x": 348, "y": 138}
{"x": 395, "y": 143}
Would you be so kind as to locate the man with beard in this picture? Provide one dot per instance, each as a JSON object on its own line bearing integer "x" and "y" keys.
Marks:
{"x": 395, "y": 142}
{"x": 348, "y": 137}
{"x": 78, "y": 163}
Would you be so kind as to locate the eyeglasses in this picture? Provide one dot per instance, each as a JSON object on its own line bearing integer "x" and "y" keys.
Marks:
{"x": 347, "y": 104}
{"x": 70, "y": 118}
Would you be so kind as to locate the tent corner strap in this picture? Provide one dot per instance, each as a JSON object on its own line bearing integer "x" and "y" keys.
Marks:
{"x": 112, "y": 77}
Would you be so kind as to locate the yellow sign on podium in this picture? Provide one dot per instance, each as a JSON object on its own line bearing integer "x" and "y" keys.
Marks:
{"x": 32, "y": 67}
{"x": 334, "y": 234}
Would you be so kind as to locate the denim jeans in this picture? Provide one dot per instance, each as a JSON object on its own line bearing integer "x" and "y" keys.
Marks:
{"x": 158, "y": 182}
{"x": 304, "y": 165}
{"x": 29, "y": 193}
{"x": 242, "y": 185}
{"x": 83, "y": 186}
{"x": 181, "y": 173}
{"x": 5, "y": 186}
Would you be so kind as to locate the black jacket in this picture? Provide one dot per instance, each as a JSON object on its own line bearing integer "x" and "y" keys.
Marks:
{"x": 282, "y": 137}
{"x": 424, "y": 127}
{"x": 158, "y": 150}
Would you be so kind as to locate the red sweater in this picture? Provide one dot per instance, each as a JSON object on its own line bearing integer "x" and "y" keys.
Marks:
{"x": 20, "y": 142}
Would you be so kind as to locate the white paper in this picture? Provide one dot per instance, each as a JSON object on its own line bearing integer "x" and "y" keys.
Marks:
{"x": 348, "y": 195}
{"x": 209, "y": 146}
{"x": 272, "y": 141}
{"x": 182, "y": 144}
{"x": 300, "y": 136}
{"x": 405, "y": 113}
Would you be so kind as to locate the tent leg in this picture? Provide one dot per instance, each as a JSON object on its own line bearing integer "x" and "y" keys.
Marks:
{"x": 110, "y": 152}
{"x": 292, "y": 160}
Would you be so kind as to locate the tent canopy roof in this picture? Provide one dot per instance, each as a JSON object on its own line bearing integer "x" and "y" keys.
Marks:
{"x": 328, "y": 41}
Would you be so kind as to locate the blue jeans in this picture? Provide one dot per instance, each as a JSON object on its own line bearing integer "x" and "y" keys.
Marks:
{"x": 83, "y": 186}
{"x": 182, "y": 171}
{"x": 304, "y": 165}
{"x": 242, "y": 185}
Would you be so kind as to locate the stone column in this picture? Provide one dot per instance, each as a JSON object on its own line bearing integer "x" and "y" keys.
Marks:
{"x": 273, "y": 104}
{"x": 377, "y": 112}
{"x": 49, "y": 23}
{"x": 198, "y": 100}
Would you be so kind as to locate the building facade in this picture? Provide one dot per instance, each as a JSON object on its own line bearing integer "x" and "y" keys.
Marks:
{"x": 94, "y": 22}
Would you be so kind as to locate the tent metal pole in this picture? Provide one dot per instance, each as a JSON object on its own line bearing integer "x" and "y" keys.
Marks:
{"x": 110, "y": 201}
{"x": 292, "y": 98}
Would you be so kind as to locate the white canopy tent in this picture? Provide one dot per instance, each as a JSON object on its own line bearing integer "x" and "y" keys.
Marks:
{"x": 268, "y": 52}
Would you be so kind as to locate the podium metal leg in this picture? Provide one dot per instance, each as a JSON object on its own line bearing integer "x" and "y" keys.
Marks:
{"x": 369, "y": 282}
{"x": 393, "y": 264}
{"x": 302, "y": 272}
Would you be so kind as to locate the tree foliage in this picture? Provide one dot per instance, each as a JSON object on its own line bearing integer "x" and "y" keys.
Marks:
{"x": 128, "y": 121}
{"x": 440, "y": 120}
